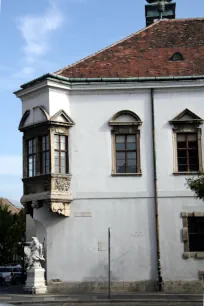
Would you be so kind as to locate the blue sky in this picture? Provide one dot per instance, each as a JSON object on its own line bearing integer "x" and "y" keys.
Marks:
{"x": 43, "y": 36}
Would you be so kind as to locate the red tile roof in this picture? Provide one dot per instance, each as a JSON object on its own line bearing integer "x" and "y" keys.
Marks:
{"x": 12, "y": 208}
{"x": 147, "y": 53}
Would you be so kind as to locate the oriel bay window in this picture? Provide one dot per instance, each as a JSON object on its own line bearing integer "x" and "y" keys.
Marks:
{"x": 45, "y": 155}
{"x": 31, "y": 157}
{"x": 61, "y": 154}
{"x": 187, "y": 152}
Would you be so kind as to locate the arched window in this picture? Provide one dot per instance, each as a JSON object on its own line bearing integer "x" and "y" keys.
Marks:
{"x": 125, "y": 143}
{"x": 177, "y": 57}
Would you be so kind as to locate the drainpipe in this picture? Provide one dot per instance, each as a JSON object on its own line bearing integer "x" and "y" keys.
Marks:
{"x": 159, "y": 275}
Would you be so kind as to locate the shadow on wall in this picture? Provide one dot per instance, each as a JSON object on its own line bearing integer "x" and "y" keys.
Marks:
{"x": 100, "y": 274}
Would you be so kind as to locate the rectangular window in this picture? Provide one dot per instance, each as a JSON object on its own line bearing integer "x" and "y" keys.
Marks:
{"x": 187, "y": 152}
{"x": 61, "y": 154}
{"x": 126, "y": 154}
{"x": 196, "y": 234}
{"x": 45, "y": 155}
{"x": 31, "y": 157}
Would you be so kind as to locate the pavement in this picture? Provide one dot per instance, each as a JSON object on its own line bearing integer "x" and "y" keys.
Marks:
{"x": 14, "y": 295}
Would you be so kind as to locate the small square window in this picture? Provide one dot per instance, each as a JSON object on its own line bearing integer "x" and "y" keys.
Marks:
{"x": 196, "y": 234}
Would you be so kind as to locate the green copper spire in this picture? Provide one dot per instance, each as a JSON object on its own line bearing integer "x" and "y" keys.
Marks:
{"x": 159, "y": 9}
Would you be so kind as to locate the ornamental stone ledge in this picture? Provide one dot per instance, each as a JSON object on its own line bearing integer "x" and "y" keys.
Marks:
{"x": 46, "y": 196}
{"x": 195, "y": 255}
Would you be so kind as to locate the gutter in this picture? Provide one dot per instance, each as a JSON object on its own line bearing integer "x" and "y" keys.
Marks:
{"x": 159, "y": 274}
{"x": 52, "y": 76}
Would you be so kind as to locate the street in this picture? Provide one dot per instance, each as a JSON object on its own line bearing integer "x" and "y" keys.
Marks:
{"x": 13, "y": 294}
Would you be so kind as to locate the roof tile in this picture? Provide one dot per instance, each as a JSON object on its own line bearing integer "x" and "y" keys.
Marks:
{"x": 147, "y": 53}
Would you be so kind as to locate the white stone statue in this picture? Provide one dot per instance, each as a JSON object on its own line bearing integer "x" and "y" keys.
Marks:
{"x": 34, "y": 254}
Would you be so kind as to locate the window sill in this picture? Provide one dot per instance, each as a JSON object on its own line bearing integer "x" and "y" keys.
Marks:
{"x": 187, "y": 173}
{"x": 35, "y": 177}
{"x": 196, "y": 255}
{"x": 126, "y": 174}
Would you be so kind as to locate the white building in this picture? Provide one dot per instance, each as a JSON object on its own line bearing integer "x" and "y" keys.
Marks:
{"x": 109, "y": 142}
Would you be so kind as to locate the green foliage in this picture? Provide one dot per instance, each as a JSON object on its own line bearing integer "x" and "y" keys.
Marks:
{"x": 12, "y": 227}
{"x": 196, "y": 184}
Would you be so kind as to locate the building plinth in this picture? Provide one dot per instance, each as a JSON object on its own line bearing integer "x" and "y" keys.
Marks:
{"x": 35, "y": 282}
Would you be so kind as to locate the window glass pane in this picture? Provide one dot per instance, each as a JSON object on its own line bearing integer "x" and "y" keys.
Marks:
{"x": 120, "y": 166}
{"x": 192, "y": 137}
{"x": 47, "y": 143}
{"x": 63, "y": 143}
{"x": 57, "y": 142}
{"x": 192, "y": 145}
{"x": 120, "y": 146}
{"x": 181, "y": 140}
{"x": 43, "y": 143}
{"x": 182, "y": 168}
{"x": 57, "y": 158}
{"x": 120, "y": 139}
{"x": 181, "y": 145}
{"x": 34, "y": 145}
{"x": 56, "y": 168}
{"x": 63, "y": 159}
{"x": 34, "y": 165}
{"x": 120, "y": 155}
{"x": 47, "y": 159}
{"x": 43, "y": 162}
{"x": 194, "y": 167}
{"x": 196, "y": 234}
{"x": 181, "y": 137}
{"x": 193, "y": 154}
{"x": 131, "y": 138}
{"x": 30, "y": 147}
{"x": 63, "y": 170}
{"x": 131, "y": 162}
{"x": 131, "y": 146}
{"x": 182, "y": 153}
{"x": 131, "y": 169}
{"x": 131, "y": 155}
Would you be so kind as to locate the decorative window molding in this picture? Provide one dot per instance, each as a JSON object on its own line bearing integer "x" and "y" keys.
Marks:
{"x": 23, "y": 119}
{"x": 125, "y": 144}
{"x": 62, "y": 117}
{"x": 125, "y": 118}
{"x": 190, "y": 237}
{"x": 187, "y": 143}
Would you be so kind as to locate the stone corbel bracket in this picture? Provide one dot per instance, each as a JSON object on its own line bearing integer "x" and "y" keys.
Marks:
{"x": 61, "y": 208}
{"x": 60, "y": 203}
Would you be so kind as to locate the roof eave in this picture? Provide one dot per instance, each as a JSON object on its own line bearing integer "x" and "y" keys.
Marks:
{"x": 106, "y": 80}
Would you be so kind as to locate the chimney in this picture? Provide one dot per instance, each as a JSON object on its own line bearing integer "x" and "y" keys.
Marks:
{"x": 159, "y": 9}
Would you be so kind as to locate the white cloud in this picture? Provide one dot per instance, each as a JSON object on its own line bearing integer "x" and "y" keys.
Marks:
{"x": 25, "y": 72}
{"x": 11, "y": 165}
{"x": 36, "y": 31}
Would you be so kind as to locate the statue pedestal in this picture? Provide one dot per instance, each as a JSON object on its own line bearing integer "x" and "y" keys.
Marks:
{"x": 35, "y": 282}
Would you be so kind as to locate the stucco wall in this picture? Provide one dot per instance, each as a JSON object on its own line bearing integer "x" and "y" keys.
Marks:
{"x": 123, "y": 203}
{"x": 78, "y": 245}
